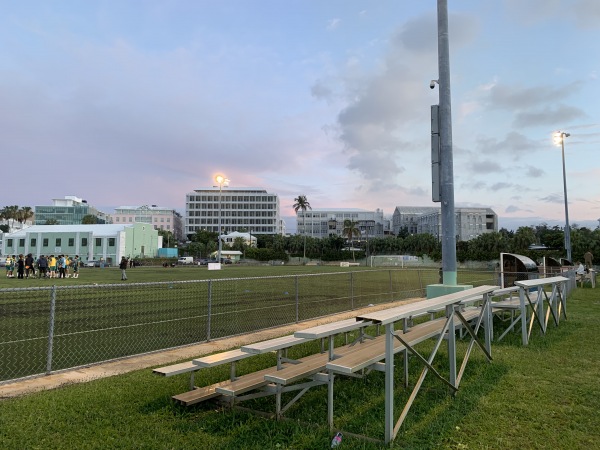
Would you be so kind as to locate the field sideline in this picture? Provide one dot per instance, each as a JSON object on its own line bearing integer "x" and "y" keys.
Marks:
{"x": 98, "y": 319}
{"x": 536, "y": 397}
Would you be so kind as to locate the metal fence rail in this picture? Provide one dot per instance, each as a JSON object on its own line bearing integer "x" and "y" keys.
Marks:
{"x": 48, "y": 329}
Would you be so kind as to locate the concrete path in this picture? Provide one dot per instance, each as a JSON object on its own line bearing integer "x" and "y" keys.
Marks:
{"x": 164, "y": 358}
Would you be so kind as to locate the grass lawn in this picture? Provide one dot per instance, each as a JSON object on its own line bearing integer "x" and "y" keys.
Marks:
{"x": 536, "y": 397}
{"x": 97, "y": 317}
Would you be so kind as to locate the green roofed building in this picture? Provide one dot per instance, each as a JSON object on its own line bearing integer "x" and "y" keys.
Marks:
{"x": 107, "y": 242}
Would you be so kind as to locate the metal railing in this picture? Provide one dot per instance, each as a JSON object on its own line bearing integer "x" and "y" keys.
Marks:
{"x": 49, "y": 329}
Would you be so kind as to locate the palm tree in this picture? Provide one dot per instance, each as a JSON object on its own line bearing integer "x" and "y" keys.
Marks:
{"x": 24, "y": 214}
{"x": 10, "y": 213}
{"x": 302, "y": 204}
{"x": 350, "y": 230}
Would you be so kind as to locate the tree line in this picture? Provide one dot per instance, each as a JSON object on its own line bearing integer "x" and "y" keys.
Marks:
{"x": 486, "y": 247}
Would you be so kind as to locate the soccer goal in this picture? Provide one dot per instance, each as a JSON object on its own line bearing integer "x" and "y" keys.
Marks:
{"x": 393, "y": 260}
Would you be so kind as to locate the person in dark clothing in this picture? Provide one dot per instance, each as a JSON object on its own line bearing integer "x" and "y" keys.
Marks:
{"x": 123, "y": 266}
{"x": 42, "y": 266}
{"x": 29, "y": 266}
{"x": 20, "y": 267}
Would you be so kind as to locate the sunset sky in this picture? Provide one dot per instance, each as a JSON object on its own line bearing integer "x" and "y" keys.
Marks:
{"x": 126, "y": 102}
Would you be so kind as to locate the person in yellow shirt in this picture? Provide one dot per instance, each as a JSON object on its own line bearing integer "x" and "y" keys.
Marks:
{"x": 67, "y": 265}
{"x": 52, "y": 266}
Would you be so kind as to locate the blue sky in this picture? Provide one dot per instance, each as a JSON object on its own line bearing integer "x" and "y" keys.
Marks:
{"x": 139, "y": 102}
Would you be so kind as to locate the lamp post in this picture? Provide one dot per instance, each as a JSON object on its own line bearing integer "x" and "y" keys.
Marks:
{"x": 220, "y": 180}
{"x": 559, "y": 139}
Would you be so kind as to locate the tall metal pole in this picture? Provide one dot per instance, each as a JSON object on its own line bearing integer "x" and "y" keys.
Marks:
{"x": 446, "y": 159}
{"x": 567, "y": 226}
{"x": 219, "y": 236}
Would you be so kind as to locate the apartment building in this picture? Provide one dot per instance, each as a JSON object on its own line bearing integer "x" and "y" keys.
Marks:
{"x": 238, "y": 209}
{"x": 161, "y": 218}
{"x": 323, "y": 222}
{"x": 470, "y": 222}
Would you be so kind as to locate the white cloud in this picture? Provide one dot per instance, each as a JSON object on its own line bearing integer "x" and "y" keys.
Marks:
{"x": 332, "y": 24}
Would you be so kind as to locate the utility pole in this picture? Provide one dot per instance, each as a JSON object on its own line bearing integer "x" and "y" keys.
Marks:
{"x": 446, "y": 158}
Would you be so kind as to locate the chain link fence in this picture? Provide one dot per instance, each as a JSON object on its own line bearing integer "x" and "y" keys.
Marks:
{"x": 48, "y": 329}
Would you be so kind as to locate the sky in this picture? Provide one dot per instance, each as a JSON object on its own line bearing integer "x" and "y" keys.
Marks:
{"x": 127, "y": 102}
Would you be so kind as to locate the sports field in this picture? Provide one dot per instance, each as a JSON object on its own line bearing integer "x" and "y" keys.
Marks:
{"x": 54, "y": 324}
{"x": 536, "y": 397}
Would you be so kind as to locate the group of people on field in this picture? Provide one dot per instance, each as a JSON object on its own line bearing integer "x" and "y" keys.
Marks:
{"x": 44, "y": 267}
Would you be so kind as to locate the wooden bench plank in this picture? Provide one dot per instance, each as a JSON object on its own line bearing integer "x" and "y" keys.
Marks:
{"x": 372, "y": 352}
{"x": 307, "y": 366}
{"x": 221, "y": 358}
{"x": 273, "y": 344}
{"x": 387, "y": 316}
{"x": 328, "y": 329}
{"x": 176, "y": 369}
{"x": 198, "y": 395}
{"x": 246, "y": 382}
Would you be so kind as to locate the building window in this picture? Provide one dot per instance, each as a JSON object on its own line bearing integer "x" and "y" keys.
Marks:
{"x": 84, "y": 242}
{"x": 58, "y": 242}
{"x": 33, "y": 242}
{"x": 71, "y": 242}
{"x": 45, "y": 242}
{"x": 118, "y": 219}
{"x": 111, "y": 242}
{"x": 9, "y": 242}
{"x": 98, "y": 242}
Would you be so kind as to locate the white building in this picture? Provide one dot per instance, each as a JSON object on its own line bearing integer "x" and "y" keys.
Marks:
{"x": 470, "y": 222}
{"x": 229, "y": 239}
{"x": 321, "y": 223}
{"x": 238, "y": 209}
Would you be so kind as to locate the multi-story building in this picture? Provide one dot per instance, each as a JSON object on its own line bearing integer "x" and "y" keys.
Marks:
{"x": 67, "y": 211}
{"x": 321, "y": 223}
{"x": 239, "y": 209}
{"x": 108, "y": 242}
{"x": 470, "y": 222}
{"x": 159, "y": 217}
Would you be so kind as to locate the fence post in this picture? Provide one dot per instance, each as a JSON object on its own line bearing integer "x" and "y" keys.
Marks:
{"x": 391, "y": 286}
{"x": 51, "y": 330}
{"x": 208, "y": 324}
{"x": 352, "y": 290}
{"x": 420, "y": 281}
{"x": 297, "y": 301}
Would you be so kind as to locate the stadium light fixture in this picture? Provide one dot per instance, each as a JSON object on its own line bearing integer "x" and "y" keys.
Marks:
{"x": 559, "y": 140}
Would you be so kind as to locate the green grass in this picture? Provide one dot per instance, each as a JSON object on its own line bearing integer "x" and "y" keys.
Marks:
{"x": 97, "y": 319}
{"x": 536, "y": 397}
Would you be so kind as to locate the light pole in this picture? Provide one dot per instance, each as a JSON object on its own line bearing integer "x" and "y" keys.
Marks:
{"x": 559, "y": 139}
{"x": 446, "y": 154}
{"x": 221, "y": 180}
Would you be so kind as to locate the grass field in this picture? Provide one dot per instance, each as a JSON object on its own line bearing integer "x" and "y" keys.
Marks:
{"x": 536, "y": 397}
{"x": 98, "y": 318}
